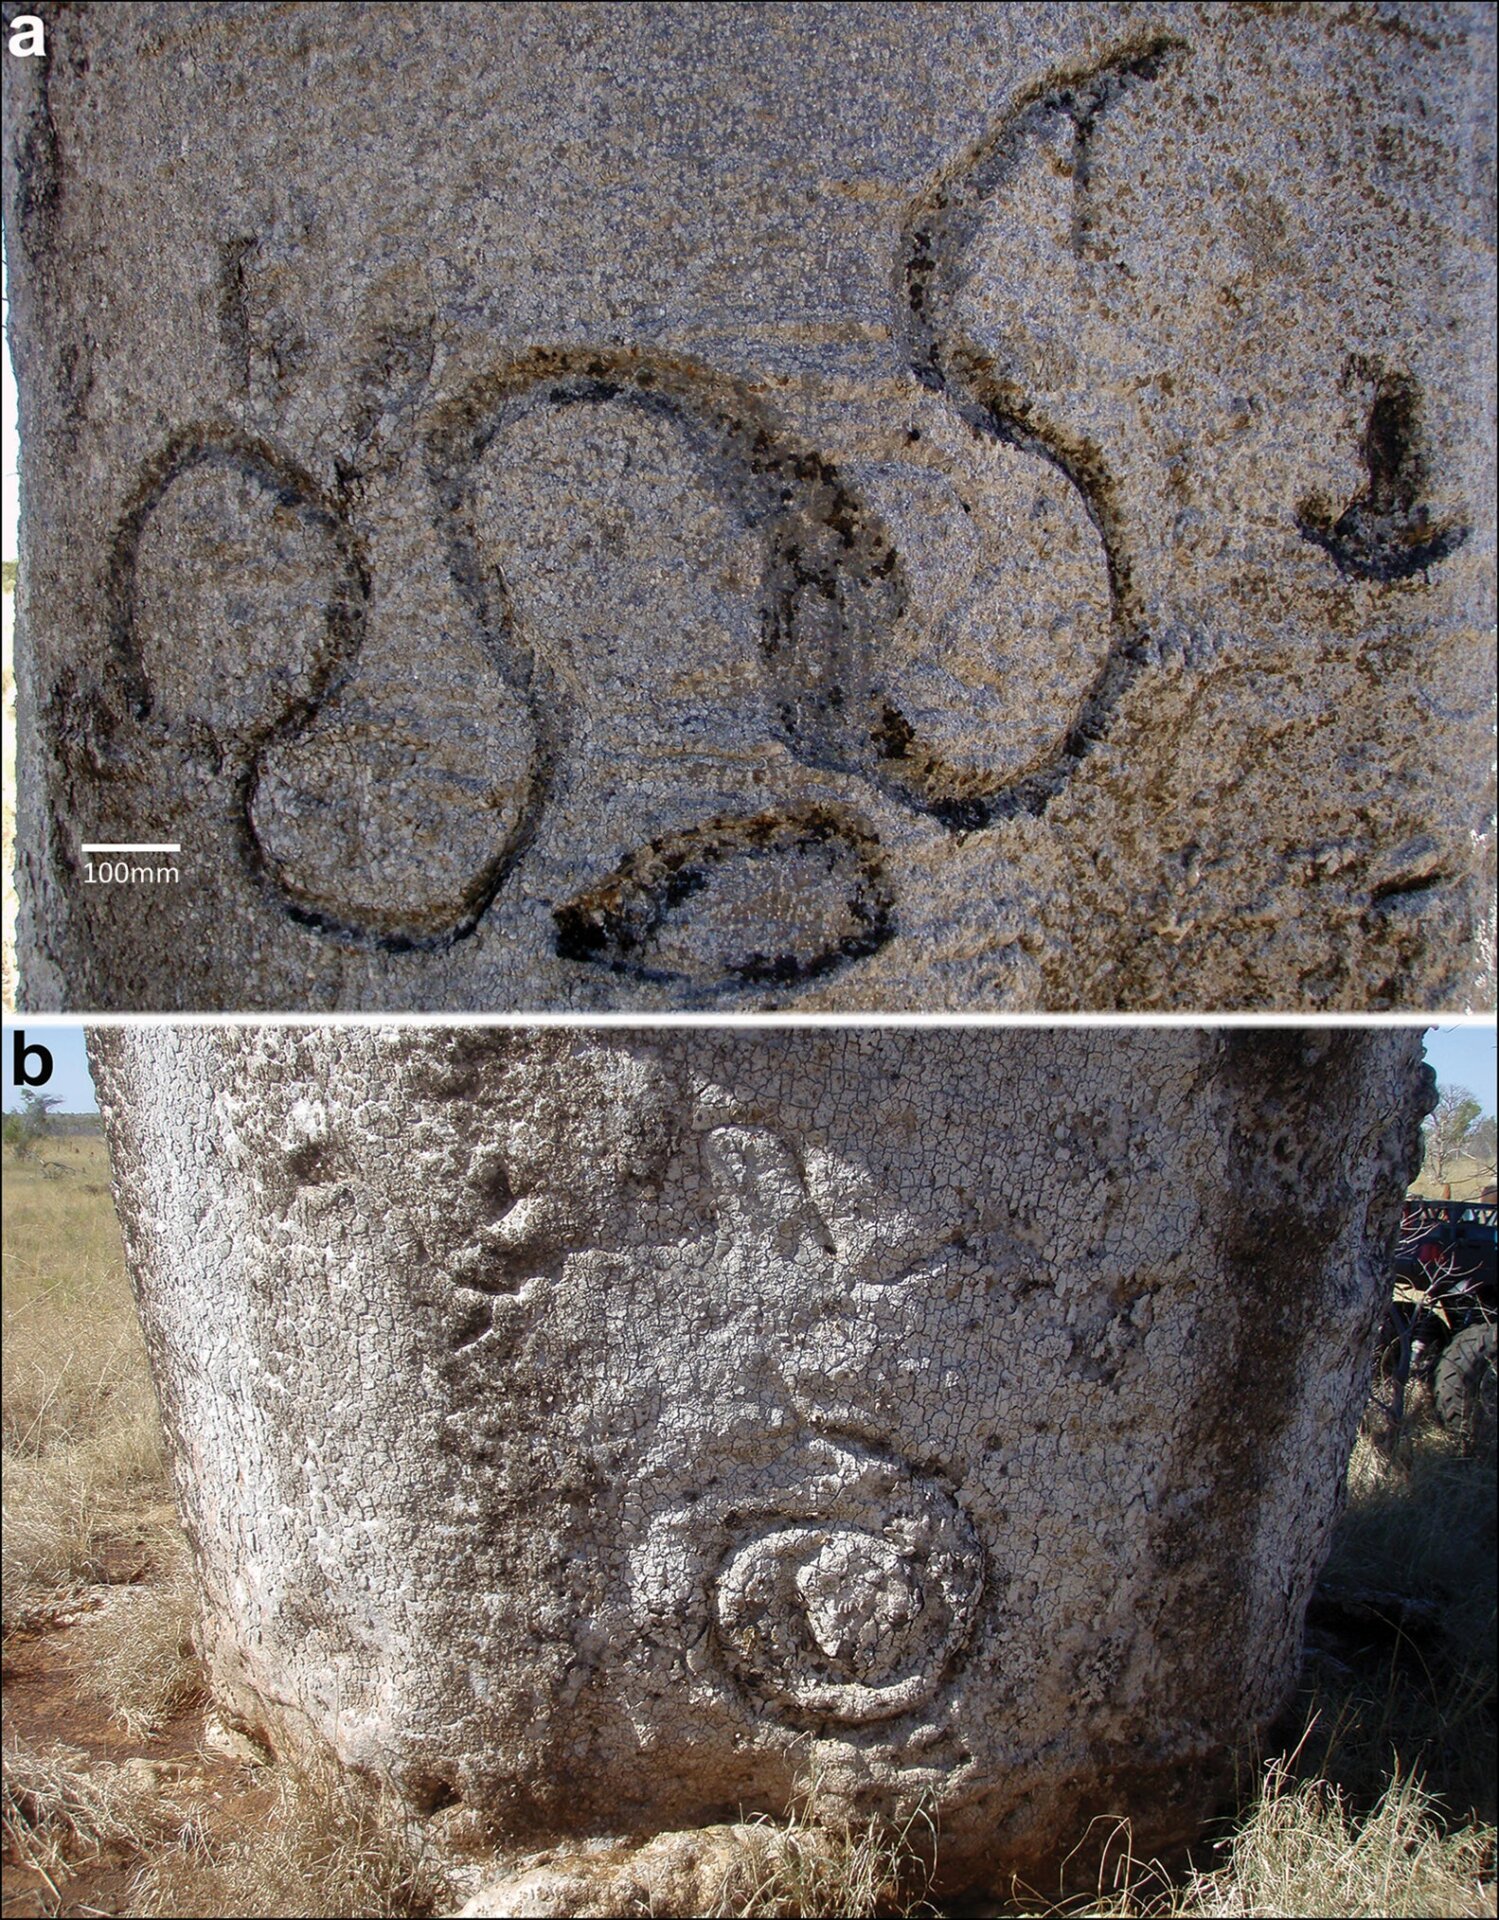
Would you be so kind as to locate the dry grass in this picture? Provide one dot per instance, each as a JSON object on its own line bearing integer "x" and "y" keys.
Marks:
{"x": 330, "y": 1846}
{"x": 78, "y": 1422}
{"x": 62, "y": 1806}
{"x": 1466, "y": 1176}
{"x": 326, "y": 1846}
{"x": 1308, "y": 1851}
{"x": 823, "y": 1863}
{"x": 143, "y": 1669}
{"x": 1302, "y": 1849}
{"x": 1424, "y": 1523}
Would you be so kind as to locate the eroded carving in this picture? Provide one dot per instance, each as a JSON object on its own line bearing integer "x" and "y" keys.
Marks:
{"x": 816, "y": 539}
{"x": 1009, "y": 618}
{"x": 830, "y": 590}
{"x": 834, "y": 1583}
{"x": 234, "y": 317}
{"x": 391, "y": 822}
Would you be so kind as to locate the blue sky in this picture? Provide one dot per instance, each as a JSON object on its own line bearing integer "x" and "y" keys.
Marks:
{"x": 1464, "y": 1057}
{"x": 1462, "y": 1053}
{"x": 70, "y": 1075}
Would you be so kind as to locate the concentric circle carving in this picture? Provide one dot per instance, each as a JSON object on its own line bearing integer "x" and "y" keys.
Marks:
{"x": 834, "y": 1584}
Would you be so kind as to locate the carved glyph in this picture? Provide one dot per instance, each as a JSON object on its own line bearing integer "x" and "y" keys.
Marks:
{"x": 377, "y": 816}
{"x": 834, "y": 1584}
{"x": 885, "y": 576}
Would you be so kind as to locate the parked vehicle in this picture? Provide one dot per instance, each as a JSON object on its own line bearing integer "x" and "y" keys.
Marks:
{"x": 1456, "y": 1241}
{"x": 1441, "y": 1323}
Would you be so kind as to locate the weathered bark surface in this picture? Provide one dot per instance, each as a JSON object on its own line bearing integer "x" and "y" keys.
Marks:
{"x": 607, "y": 1429}
{"x": 585, "y": 506}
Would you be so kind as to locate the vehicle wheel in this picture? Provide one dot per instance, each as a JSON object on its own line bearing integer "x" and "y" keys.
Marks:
{"x": 1467, "y": 1385}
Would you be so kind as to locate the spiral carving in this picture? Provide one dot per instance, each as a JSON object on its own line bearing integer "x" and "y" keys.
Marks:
{"x": 835, "y": 1584}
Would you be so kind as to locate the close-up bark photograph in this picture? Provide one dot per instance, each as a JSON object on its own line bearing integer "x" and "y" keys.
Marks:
{"x": 835, "y": 507}
{"x": 749, "y": 959}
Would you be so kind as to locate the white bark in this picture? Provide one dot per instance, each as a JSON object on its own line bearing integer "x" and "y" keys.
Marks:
{"x": 608, "y": 1428}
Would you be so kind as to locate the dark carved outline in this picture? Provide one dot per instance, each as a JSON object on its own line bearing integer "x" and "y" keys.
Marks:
{"x": 293, "y": 487}
{"x": 597, "y": 925}
{"x": 818, "y": 538}
{"x": 1385, "y": 533}
{"x": 939, "y": 227}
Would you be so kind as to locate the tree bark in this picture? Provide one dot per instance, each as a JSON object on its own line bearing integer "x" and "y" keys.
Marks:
{"x": 970, "y": 507}
{"x": 607, "y": 1430}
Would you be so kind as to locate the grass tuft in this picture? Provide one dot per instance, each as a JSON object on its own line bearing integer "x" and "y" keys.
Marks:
{"x": 79, "y": 1430}
{"x": 331, "y": 1845}
{"x": 143, "y": 1668}
{"x": 1307, "y": 1849}
{"x": 61, "y": 1806}
{"x": 1304, "y": 1849}
{"x": 822, "y": 1862}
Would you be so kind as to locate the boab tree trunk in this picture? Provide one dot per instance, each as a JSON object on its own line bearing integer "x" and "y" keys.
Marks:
{"x": 599, "y": 505}
{"x": 608, "y": 1429}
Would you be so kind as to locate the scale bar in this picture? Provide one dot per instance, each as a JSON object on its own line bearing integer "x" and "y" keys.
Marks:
{"x": 130, "y": 846}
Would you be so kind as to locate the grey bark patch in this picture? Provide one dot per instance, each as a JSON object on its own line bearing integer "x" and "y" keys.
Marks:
{"x": 951, "y": 428}
{"x": 37, "y": 165}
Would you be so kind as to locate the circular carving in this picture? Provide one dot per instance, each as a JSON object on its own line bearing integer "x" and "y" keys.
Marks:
{"x": 835, "y": 1583}
{"x": 840, "y": 1622}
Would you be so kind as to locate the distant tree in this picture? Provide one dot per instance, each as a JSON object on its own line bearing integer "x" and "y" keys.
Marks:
{"x": 1481, "y": 1144}
{"x": 32, "y": 1124}
{"x": 37, "y": 1108}
{"x": 1449, "y": 1128}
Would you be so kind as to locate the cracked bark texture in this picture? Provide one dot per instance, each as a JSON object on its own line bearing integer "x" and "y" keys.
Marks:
{"x": 940, "y": 506}
{"x": 604, "y": 1431}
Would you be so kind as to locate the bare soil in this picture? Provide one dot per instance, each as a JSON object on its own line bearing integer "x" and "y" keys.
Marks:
{"x": 48, "y": 1702}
